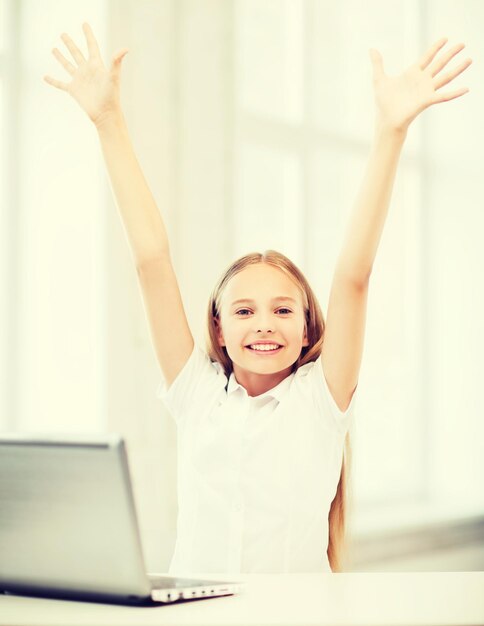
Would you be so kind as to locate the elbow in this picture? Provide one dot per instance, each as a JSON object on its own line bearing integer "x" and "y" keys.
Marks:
{"x": 359, "y": 279}
{"x": 147, "y": 261}
{"x": 362, "y": 281}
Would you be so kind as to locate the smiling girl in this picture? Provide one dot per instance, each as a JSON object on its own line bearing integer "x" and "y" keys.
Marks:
{"x": 263, "y": 413}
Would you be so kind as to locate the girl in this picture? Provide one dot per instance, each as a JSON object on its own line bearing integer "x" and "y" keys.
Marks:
{"x": 264, "y": 414}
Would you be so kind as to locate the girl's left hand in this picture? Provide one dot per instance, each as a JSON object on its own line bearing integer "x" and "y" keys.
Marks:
{"x": 400, "y": 99}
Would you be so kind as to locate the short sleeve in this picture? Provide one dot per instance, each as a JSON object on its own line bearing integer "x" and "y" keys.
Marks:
{"x": 323, "y": 397}
{"x": 196, "y": 382}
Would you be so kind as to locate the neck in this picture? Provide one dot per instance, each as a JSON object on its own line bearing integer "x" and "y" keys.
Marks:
{"x": 257, "y": 384}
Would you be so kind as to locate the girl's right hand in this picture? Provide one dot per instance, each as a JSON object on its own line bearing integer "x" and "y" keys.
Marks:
{"x": 95, "y": 88}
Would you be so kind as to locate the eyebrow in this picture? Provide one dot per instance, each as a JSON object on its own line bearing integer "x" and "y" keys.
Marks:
{"x": 278, "y": 298}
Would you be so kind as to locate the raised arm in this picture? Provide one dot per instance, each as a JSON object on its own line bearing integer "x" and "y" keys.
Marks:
{"x": 96, "y": 89}
{"x": 399, "y": 99}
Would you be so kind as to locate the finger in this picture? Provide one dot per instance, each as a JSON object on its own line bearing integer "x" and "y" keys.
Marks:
{"x": 427, "y": 57}
{"x": 450, "y": 95}
{"x": 64, "y": 62}
{"x": 92, "y": 45}
{"x": 116, "y": 61}
{"x": 451, "y": 75}
{"x": 56, "y": 83}
{"x": 439, "y": 64}
{"x": 73, "y": 49}
{"x": 377, "y": 62}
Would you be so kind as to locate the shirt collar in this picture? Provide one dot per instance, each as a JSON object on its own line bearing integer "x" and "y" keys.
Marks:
{"x": 276, "y": 392}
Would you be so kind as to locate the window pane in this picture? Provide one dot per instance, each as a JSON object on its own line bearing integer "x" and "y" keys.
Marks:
{"x": 59, "y": 221}
{"x": 269, "y": 57}
{"x": 4, "y": 295}
{"x": 390, "y": 459}
{"x": 268, "y": 211}
{"x": 3, "y": 26}
{"x": 341, "y": 82}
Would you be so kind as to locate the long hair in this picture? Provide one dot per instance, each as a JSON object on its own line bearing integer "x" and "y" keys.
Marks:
{"x": 337, "y": 548}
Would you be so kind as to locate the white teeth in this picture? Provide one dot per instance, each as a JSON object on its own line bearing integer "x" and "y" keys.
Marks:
{"x": 264, "y": 347}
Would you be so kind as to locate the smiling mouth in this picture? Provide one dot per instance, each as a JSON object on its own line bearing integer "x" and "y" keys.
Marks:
{"x": 265, "y": 351}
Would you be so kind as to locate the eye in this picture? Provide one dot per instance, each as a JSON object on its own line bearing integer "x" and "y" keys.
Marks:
{"x": 283, "y": 310}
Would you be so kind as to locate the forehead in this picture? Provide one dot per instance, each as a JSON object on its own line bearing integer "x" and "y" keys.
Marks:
{"x": 261, "y": 281}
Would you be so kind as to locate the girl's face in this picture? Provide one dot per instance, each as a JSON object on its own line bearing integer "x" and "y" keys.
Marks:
{"x": 262, "y": 304}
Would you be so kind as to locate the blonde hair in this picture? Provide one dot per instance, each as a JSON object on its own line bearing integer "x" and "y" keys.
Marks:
{"x": 337, "y": 548}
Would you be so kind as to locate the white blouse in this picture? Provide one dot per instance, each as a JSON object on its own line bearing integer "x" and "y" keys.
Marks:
{"x": 256, "y": 475}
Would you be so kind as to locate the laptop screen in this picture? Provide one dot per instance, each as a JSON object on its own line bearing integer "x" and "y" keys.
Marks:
{"x": 67, "y": 516}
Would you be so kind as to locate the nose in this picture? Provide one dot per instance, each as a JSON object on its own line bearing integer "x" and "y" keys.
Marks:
{"x": 263, "y": 323}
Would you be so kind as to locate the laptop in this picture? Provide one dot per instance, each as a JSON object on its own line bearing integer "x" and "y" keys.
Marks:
{"x": 68, "y": 525}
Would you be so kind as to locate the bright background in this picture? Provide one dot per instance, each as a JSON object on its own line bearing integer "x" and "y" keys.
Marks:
{"x": 252, "y": 121}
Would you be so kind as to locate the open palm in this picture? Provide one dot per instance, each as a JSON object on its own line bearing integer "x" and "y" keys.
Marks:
{"x": 400, "y": 99}
{"x": 94, "y": 87}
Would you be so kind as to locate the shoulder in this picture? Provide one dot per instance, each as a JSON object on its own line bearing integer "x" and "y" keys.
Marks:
{"x": 199, "y": 379}
{"x": 308, "y": 369}
{"x": 311, "y": 381}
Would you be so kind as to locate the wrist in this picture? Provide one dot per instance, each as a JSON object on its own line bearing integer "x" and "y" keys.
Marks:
{"x": 389, "y": 131}
{"x": 109, "y": 120}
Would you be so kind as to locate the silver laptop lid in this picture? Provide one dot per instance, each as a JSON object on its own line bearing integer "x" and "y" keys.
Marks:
{"x": 67, "y": 516}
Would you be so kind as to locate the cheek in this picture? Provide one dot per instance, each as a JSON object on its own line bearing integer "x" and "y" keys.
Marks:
{"x": 230, "y": 332}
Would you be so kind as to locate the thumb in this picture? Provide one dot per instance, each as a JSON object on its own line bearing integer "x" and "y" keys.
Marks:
{"x": 377, "y": 63}
{"x": 116, "y": 61}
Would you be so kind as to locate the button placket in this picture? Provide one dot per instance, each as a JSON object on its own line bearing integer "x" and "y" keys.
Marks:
{"x": 237, "y": 509}
{"x": 238, "y": 501}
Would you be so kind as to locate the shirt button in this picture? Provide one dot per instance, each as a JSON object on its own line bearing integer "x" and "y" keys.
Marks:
{"x": 238, "y": 507}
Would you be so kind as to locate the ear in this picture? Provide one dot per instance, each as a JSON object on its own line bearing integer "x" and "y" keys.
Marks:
{"x": 221, "y": 341}
{"x": 305, "y": 338}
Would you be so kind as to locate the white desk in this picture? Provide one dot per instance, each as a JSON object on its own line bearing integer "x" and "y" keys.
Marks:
{"x": 376, "y": 599}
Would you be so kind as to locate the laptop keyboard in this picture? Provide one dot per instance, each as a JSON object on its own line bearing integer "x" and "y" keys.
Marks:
{"x": 163, "y": 582}
{"x": 169, "y": 582}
